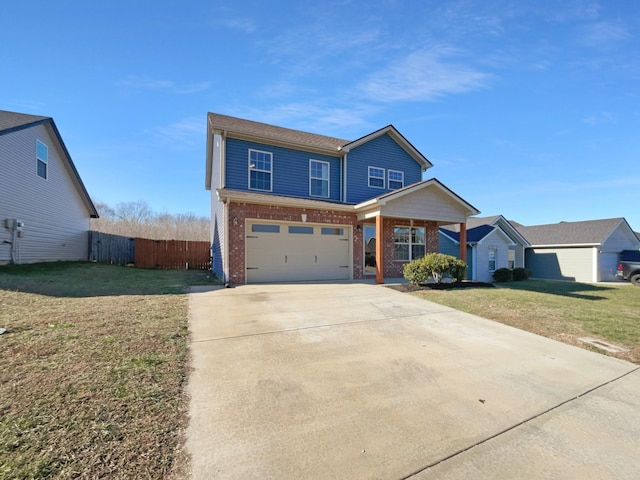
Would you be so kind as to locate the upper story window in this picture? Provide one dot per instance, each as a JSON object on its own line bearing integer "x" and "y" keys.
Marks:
{"x": 396, "y": 179}
{"x": 260, "y": 170}
{"x": 376, "y": 177}
{"x": 409, "y": 243}
{"x": 318, "y": 178}
{"x": 42, "y": 159}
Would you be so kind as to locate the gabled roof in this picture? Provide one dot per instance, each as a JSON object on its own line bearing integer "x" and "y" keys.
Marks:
{"x": 382, "y": 199}
{"x": 398, "y": 137}
{"x": 250, "y": 130}
{"x": 387, "y": 203}
{"x": 590, "y": 232}
{"x": 286, "y": 137}
{"x": 13, "y": 121}
{"x": 479, "y": 227}
{"x": 474, "y": 235}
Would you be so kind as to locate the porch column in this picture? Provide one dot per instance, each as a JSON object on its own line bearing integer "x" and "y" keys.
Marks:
{"x": 379, "y": 250}
{"x": 463, "y": 242}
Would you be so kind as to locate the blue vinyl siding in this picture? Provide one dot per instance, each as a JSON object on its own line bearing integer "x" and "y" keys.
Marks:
{"x": 381, "y": 152}
{"x": 448, "y": 247}
{"x": 290, "y": 169}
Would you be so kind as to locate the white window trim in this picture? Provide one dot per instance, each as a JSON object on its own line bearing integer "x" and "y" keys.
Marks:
{"x": 389, "y": 172}
{"x": 384, "y": 175}
{"x": 328, "y": 180}
{"x": 411, "y": 244}
{"x": 43, "y": 160}
{"x": 249, "y": 169}
{"x": 495, "y": 258}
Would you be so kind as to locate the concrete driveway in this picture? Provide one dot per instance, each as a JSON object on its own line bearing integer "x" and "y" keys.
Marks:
{"x": 355, "y": 381}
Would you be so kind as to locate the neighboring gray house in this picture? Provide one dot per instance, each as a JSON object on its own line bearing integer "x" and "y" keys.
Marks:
{"x": 44, "y": 206}
{"x": 579, "y": 251}
{"x": 492, "y": 243}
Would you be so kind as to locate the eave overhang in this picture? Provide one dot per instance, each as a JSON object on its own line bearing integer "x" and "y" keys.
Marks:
{"x": 398, "y": 138}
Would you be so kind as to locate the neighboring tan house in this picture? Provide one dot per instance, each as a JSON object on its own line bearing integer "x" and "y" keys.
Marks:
{"x": 288, "y": 205}
{"x": 44, "y": 206}
{"x": 579, "y": 251}
{"x": 492, "y": 243}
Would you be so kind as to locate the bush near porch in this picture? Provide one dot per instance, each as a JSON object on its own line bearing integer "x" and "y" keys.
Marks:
{"x": 433, "y": 268}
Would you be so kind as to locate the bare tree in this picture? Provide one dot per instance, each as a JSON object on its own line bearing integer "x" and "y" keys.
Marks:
{"x": 137, "y": 219}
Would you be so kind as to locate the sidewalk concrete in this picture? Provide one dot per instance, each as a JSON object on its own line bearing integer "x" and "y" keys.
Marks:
{"x": 361, "y": 381}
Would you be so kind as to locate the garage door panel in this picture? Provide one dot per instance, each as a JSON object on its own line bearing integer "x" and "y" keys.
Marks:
{"x": 297, "y": 252}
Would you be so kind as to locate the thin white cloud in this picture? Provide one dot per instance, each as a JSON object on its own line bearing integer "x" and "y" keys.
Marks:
{"x": 146, "y": 83}
{"x": 423, "y": 76}
{"x": 341, "y": 122}
{"x": 599, "y": 118}
{"x": 193, "y": 87}
{"x": 604, "y": 33}
{"x": 244, "y": 25}
{"x": 185, "y": 132}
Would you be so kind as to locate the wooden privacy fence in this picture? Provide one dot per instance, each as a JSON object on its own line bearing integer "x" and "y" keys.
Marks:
{"x": 111, "y": 249}
{"x": 146, "y": 253}
{"x": 172, "y": 254}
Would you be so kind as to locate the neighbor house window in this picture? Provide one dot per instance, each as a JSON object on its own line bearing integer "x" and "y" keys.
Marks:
{"x": 42, "y": 159}
{"x": 409, "y": 243}
{"x": 376, "y": 177}
{"x": 512, "y": 259}
{"x": 260, "y": 169}
{"x": 318, "y": 178}
{"x": 396, "y": 179}
{"x": 493, "y": 253}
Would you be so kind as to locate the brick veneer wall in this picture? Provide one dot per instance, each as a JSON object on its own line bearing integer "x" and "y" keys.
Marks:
{"x": 243, "y": 211}
{"x": 392, "y": 267}
{"x": 239, "y": 212}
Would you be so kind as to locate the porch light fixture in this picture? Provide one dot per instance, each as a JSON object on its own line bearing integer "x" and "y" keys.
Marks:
{"x": 235, "y": 221}
{"x": 358, "y": 227}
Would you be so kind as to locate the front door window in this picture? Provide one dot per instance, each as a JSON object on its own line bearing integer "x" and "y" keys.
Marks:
{"x": 369, "y": 232}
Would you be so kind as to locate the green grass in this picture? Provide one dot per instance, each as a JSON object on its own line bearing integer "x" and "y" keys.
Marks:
{"x": 92, "y": 371}
{"x": 564, "y": 311}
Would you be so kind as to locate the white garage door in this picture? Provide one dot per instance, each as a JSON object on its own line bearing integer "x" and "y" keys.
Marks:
{"x": 296, "y": 252}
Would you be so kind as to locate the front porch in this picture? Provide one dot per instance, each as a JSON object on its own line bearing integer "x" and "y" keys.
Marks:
{"x": 403, "y": 225}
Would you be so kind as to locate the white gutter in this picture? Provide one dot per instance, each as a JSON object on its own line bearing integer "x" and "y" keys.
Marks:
{"x": 225, "y": 266}
{"x": 344, "y": 186}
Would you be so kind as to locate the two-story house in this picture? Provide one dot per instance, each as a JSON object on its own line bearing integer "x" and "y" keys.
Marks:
{"x": 288, "y": 205}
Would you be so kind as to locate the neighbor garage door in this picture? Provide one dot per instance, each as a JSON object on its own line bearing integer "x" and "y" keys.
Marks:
{"x": 296, "y": 252}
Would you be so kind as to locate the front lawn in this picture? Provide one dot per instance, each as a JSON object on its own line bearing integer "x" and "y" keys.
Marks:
{"x": 92, "y": 371}
{"x": 564, "y": 311}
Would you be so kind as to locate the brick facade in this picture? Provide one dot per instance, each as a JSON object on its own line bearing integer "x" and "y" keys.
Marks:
{"x": 240, "y": 212}
{"x": 392, "y": 267}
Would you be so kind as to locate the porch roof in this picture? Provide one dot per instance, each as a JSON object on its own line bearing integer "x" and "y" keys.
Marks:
{"x": 428, "y": 200}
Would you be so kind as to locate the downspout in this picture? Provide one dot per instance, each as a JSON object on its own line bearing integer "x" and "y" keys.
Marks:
{"x": 225, "y": 254}
{"x": 344, "y": 184}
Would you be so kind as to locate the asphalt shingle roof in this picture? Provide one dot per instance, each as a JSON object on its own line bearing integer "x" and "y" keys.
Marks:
{"x": 10, "y": 121}
{"x": 474, "y": 234}
{"x": 590, "y": 232}
{"x": 271, "y": 132}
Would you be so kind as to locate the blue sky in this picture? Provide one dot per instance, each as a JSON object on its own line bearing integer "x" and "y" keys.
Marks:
{"x": 528, "y": 109}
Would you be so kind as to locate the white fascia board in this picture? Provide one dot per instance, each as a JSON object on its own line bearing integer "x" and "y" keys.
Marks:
{"x": 266, "y": 199}
{"x": 457, "y": 242}
{"x": 369, "y": 214}
{"x": 507, "y": 227}
{"x": 566, "y": 245}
